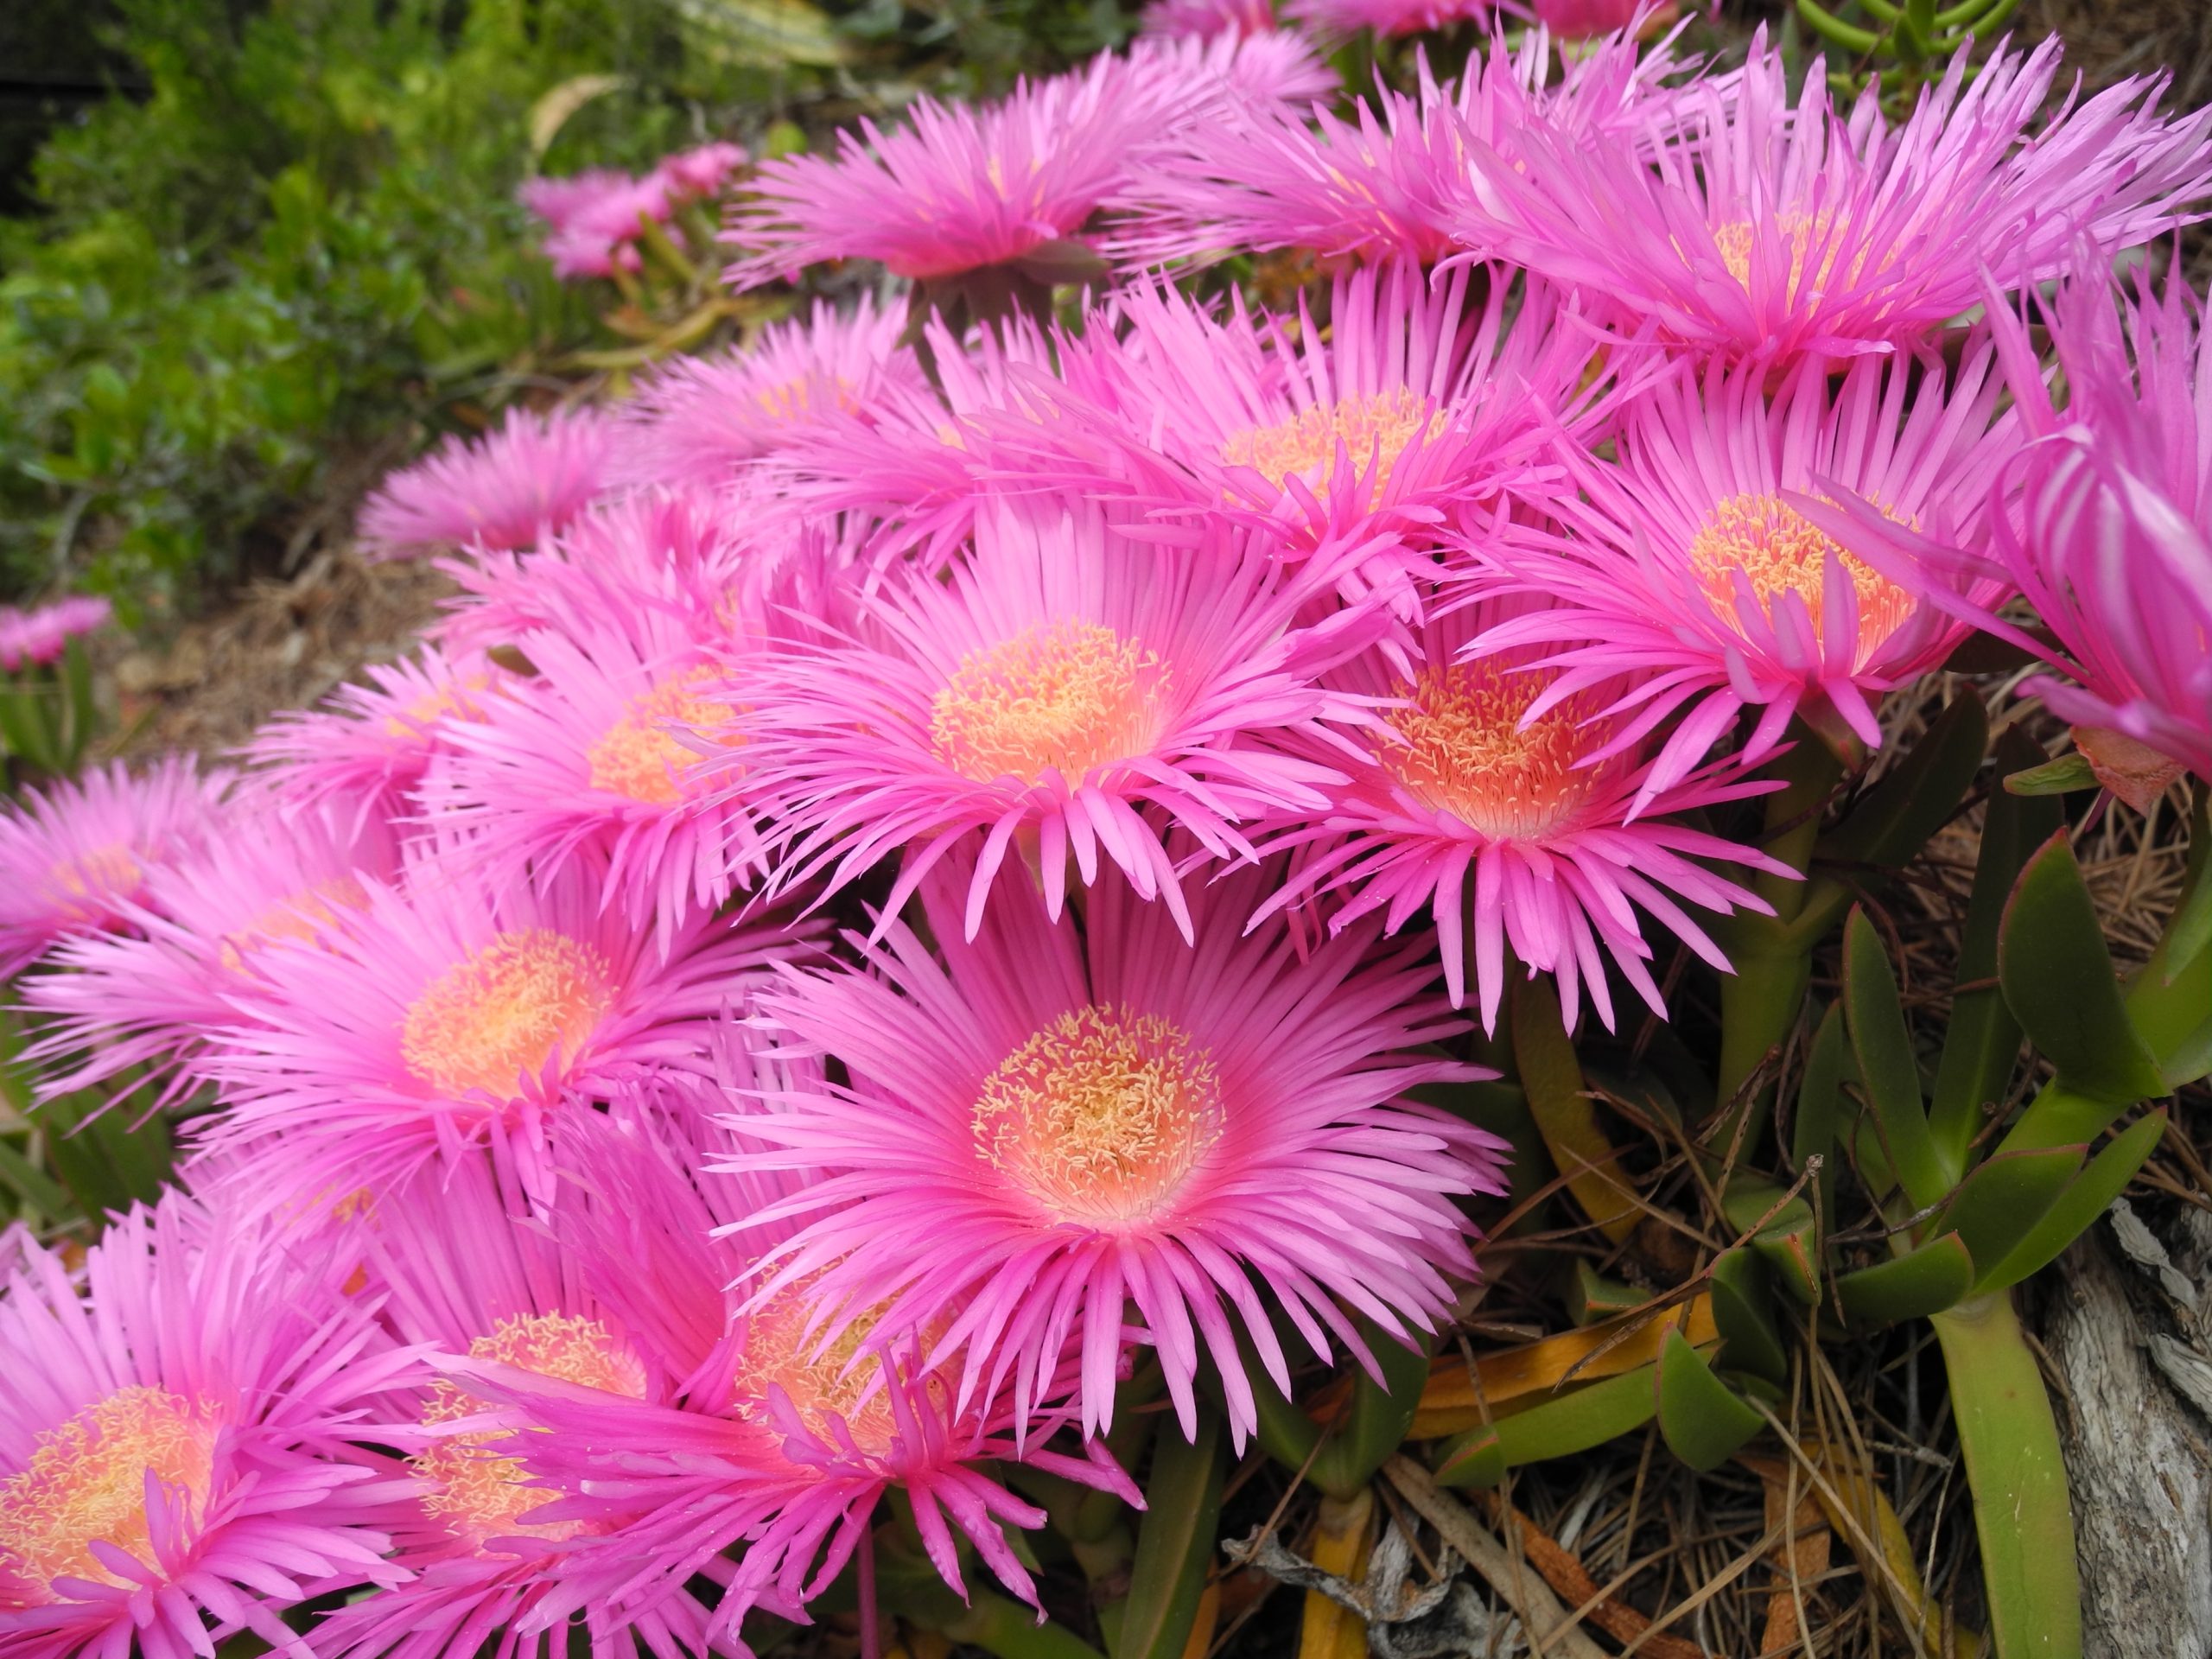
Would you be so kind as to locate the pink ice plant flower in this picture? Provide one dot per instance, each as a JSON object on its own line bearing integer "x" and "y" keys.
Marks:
{"x": 1772, "y": 232}
{"x": 368, "y": 745}
{"x": 1045, "y": 1123}
{"x": 149, "y": 995}
{"x": 1479, "y": 820}
{"x": 1206, "y": 20}
{"x": 37, "y": 637}
{"x": 1688, "y": 582}
{"x": 178, "y": 1456}
{"x": 1263, "y": 69}
{"x": 473, "y": 1273}
{"x": 601, "y": 756}
{"x": 702, "y": 170}
{"x": 771, "y": 1435}
{"x": 958, "y": 188}
{"x": 508, "y": 488}
{"x": 453, "y": 1005}
{"x": 2110, "y": 542}
{"x": 1059, "y": 682}
{"x": 1394, "y": 181}
{"x": 1334, "y": 19}
{"x": 701, "y": 419}
{"x": 76, "y": 855}
{"x": 1420, "y": 405}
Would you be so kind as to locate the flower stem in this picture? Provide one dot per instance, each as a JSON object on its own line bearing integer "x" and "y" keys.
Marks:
{"x": 2019, "y": 1478}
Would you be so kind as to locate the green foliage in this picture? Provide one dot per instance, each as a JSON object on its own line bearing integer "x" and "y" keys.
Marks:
{"x": 248, "y": 291}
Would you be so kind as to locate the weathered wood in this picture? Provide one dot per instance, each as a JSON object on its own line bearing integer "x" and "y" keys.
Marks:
{"x": 2139, "y": 1456}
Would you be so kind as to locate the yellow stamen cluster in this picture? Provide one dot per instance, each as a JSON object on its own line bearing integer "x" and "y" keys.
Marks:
{"x": 1467, "y": 753}
{"x": 458, "y": 701}
{"x": 1378, "y": 428}
{"x": 1101, "y": 1116}
{"x": 499, "y": 1013}
{"x": 85, "y": 1482}
{"x": 482, "y": 1494}
{"x": 642, "y": 755}
{"x": 821, "y": 1379}
{"x": 1803, "y": 235}
{"x": 302, "y": 916}
{"x": 1070, "y": 695}
{"x": 1781, "y": 551}
{"x": 83, "y": 887}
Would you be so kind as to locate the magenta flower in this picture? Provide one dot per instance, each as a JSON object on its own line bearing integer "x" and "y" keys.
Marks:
{"x": 1050, "y": 1124}
{"x": 368, "y": 745}
{"x": 1204, "y": 19}
{"x": 958, "y": 188}
{"x": 1686, "y": 581}
{"x": 150, "y": 996}
{"x": 1336, "y": 18}
{"x": 37, "y": 637}
{"x": 1514, "y": 827}
{"x": 1063, "y": 680}
{"x": 699, "y": 419}
{"x": 702, "y": 170}
{"x": 2112, "y": 541}
{"x": 509, "y": 488}
{"x": 75, "y": 856}
{"x": 453, "y": 1007}
{"x": 1771, "y": 231}
{"x": 1395, "y": 182}
{"x": 176, "y": 1447}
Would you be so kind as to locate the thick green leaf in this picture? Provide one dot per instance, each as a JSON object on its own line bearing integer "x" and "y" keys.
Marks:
{"x": 32, "y": 1185}
{"x": 1820, "y": 1102}
{"x": 1593, "y": 1296}
{"x": 1380, "y": 1415}
{"x": 2059, "y": 982}
{"x": 1561, "y": 1103}
{"x": 2092, "y": 1192}
{"x": 1740, "y": 1311}
{"x": 1558, "y": 1425}
{"x": 1788, "y": 1243}
{"x": 1701, "y": 1418}
{"x": 1983, "y": 1040}
{"x": 1175, "y": 1545}
{"x": 2004, "y": 1196}
{"x": 1938, "y": 1274}
{"x": 1474, "y": 1459}
{"x": 1891, "y": 821}
{"x": 2063, "y": 776}
{"x": 1887, "y": 1068}
{"x": 1501, "y": 1108}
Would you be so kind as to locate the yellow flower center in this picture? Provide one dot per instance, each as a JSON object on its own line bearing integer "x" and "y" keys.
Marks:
{"x": 642, "y": 755}
{"x": 1467, "y": 754}
{"x": 820, "y": 1379}
{"x": 82, "y": 888}
{"x": 1069, "y": 695}
{"x": 1380, "y": 427}
{"x": 302, "y": 916}
{"x": 458, "y": 701}
{"x": 1801, "y": 235}
{"x": 86, "y": 1482}
{"x": 495, "y": 1016}
{"x": 806, "y": 395}
{"x": 483, "y": 1494}
{"x": 1101, "y": 1116}
{"x": 1780, "y": 551}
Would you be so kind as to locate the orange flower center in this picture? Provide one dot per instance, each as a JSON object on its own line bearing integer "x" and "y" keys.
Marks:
{"x": 499, "y": 1014}
{"x": 820, "y": 1379}
{"x": 483, "y": 1494}
{"x": 1780, "y": 551}
{"x": 1101, "y": 1116}
{"x": 86, "y": 1482}
{"x": 1068, "y": 696}
{"x": 302, "y": 916}
{"x": 457, "y": 701}
{"x": 642, "y": 755}
{"x": 1467, "y": 753}
{"x": 83, "y": 887}
{"x": 1380, "y": 427}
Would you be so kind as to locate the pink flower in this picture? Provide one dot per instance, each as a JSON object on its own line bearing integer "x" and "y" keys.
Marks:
{"x": 509, "y": 488}
{"x": 2112, "y": 541}
{"x": 1052, "y": 1123}
{"x": 1467, "y": 810}
{"x": 594, "y": 218}
{"x": 699, "y": 419}
{"x": 1385, "y": 17}
{"x": 1206, "y": 19}
{"x": 453, "y": 1007}
{"x": 1771, "y": 231}
{"x": 1688, "y": 582}
{"x": 1395, "y": 182}
{"x": 368, "y": 745}
{"x": 39, "y": 637}
{"x": 956, "y": 187}
{"x": 177, "y": 1456}
{"x": 148, "y": 997}
{"x": 1575, "y": 20}
{"x": 1063, "y": 679}
{"x": 1229, "y": 71}
{"x": 702, "y": 170}
{"x": 75, "y": 856}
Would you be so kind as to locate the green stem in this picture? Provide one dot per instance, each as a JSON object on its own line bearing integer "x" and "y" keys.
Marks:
{"x": 2019, "y": 1478}
{"x": 1011, "y": 1631}
{"x": 1760, "y": 1001}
